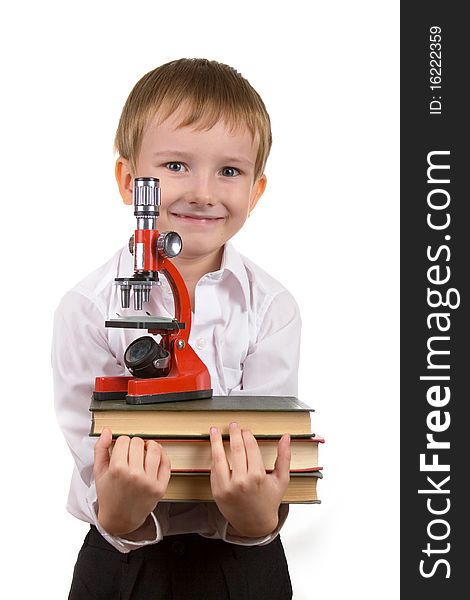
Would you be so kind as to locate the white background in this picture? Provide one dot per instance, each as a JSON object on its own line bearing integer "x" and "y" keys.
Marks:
{"x": 327, "y": 227}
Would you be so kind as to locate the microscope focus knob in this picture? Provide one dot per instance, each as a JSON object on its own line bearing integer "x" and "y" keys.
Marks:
{"x": 169, "y": 244}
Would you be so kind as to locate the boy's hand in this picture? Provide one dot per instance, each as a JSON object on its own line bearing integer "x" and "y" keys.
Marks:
{"x": 130, "y": 482}
{"x": 247, "y": 496}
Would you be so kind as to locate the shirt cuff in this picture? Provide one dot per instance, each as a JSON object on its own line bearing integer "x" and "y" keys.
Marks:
{"x": 151, "y": 531}
{"x": 222, "y": 528}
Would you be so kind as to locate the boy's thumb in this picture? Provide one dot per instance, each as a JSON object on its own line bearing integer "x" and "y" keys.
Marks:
{"x": 282, "y": 464}
{"x": 102, "y": 452}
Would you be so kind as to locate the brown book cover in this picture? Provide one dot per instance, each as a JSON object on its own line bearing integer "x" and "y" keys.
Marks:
{"x": 263, "y": 415}
{"x": 195, "y": 487}
{"x": 195, "y": 454}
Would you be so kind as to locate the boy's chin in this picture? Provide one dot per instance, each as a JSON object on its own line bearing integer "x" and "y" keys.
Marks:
{"x": 197, "y": 252}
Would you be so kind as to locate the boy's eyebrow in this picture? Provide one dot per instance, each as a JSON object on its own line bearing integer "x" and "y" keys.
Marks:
{"x": 224, "y": 159}
{"x": 176, "y": 153}
{"x": 237, "y": 159}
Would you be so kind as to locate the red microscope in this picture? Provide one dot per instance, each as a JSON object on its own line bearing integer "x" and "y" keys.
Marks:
{"x": 169, "y": 369}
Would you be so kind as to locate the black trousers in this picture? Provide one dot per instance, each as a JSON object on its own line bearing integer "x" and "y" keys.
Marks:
{"x": 181, "y": 567}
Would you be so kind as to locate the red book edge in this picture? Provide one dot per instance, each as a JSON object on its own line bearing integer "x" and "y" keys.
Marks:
{"x": 315, "y": 438}
{"x": 311, "y": 470}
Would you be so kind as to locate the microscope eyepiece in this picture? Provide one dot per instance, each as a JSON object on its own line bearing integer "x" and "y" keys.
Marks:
{"x": 146, "y": 196}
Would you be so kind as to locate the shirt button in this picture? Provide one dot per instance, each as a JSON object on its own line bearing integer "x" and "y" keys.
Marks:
{"x": 200, "y": 343}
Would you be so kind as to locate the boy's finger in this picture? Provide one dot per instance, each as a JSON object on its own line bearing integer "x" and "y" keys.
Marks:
{"x": 282, "y": 464}
{"x": 237, "y": 450}
{"x": 102, "y": 452}
{"x": 153, "y": 452}
{"x": 253, "y": 453}
{"x": 120, "y": 453}
{"x": 164, "y": 469}
{"x": 219, "y": 460}
{"x": 136, "y": 454}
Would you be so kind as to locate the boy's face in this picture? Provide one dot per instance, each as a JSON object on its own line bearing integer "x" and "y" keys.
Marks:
{"x": 206, "y": 178}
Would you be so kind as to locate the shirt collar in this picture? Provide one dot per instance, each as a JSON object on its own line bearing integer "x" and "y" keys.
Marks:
{"x": 232, "y": 265}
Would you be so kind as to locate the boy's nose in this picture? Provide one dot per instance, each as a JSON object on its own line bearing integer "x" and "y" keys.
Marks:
{"x": 202, "y": 191}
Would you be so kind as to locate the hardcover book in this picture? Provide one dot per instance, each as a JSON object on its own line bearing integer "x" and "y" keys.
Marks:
{"x": 262, "y": 415}
{"x": 195, "y": 487}
{"x": 195, "y": 454}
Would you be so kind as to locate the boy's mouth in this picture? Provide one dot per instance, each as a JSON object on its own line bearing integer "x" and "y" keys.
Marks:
{"x": 196, "y": 218}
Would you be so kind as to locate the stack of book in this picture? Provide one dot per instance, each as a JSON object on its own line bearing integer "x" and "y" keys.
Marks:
{"x": 182, "y": 428}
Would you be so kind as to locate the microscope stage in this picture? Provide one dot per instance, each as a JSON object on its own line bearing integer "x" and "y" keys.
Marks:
{"x": 146, "y": 322}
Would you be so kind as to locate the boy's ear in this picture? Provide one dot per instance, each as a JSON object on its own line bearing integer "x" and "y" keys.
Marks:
{"x": 124, "y": 179}
{"x": 257, "y": 192}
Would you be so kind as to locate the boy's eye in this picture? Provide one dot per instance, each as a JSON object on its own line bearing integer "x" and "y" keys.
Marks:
{"x": 230, "y": 172}
{"x": 177, "y": 167}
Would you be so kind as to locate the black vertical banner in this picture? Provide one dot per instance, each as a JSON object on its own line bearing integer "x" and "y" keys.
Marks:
{"x": 435, "y": 300}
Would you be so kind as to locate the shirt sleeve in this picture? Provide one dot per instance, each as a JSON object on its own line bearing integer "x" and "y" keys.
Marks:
{"x": 80, "y": 352}
{"x": 271, "y": 368}
{"x": 272, "y": 364}
{"x": 227, "y": 534}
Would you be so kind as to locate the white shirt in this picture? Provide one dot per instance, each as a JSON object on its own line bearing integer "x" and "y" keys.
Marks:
{"x": 246, "y": 329}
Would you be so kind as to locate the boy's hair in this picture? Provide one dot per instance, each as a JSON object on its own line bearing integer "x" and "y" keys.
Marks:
{"x": 207, "y": 91}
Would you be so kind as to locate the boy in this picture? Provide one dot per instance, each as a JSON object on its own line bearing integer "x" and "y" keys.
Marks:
{"x": 202, "y": 129}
